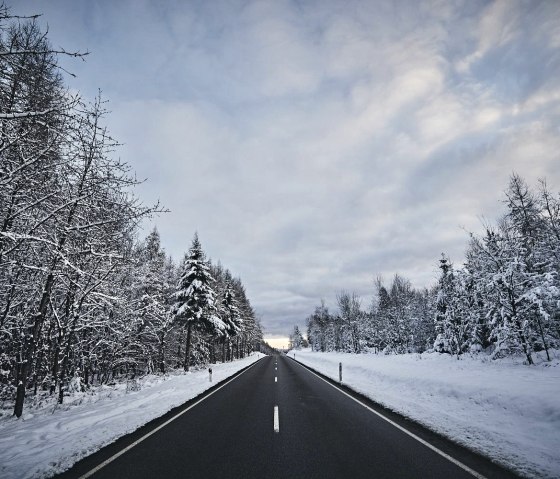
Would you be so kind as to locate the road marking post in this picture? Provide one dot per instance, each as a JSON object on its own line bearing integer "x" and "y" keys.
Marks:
{"x": 210, "y": 374}
{"x": 340, "y": 373}
{"x": 276, "y": 420}
{"x": 275, "y": 379}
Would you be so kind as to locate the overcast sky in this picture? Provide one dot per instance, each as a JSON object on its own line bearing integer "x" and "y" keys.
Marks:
{"x": 316, "y": 144}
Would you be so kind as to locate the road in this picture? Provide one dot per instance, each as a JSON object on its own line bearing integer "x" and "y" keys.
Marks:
{"x": 279, "y": 420}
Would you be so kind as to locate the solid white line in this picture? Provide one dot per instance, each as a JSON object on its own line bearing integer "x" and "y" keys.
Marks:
{"x": 414, "y": 436}
{"x": 276, "y": 420}
{"x": 138, "y": 441}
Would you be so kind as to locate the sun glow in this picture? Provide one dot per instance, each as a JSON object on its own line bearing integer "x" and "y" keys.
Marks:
{"x": 279, "y": 343}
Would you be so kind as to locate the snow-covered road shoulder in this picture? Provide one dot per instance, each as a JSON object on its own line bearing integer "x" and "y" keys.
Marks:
{"x": 48, "y": 440}
{"x": 502, "y": 409}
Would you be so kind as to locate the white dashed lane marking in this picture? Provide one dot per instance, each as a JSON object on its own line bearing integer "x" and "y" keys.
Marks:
{"x": 276, "y": 420}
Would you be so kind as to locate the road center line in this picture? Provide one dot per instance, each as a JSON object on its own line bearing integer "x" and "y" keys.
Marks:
{"x": 138, "y": 441}
{"x": 411, "y": 434}
{"x": 276, "y": 420}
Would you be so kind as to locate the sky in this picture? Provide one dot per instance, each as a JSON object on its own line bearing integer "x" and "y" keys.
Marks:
{"x": 314, "y": 145}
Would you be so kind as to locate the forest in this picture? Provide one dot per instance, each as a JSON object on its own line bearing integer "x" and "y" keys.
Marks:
{"x": 82, "y": 299}
{"x": 504, "y": 299}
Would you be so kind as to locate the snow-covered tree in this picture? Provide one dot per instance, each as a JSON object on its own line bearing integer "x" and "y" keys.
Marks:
{"x": 506, "y": 298}
{"x": 352, "y": 319}
{"x": 317, "y": 328}
{"x": 151, "y": 293}
{"x": 80, "y": 300}
{"x": 230, "y": 311}
{"x": 296, "y": 338}
{"x": 195, "y": 299}
{"x": 453, "y": 317}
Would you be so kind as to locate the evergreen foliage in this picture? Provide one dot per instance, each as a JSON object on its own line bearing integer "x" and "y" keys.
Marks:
{"x": 296, "y": 339}
{"x": 504, "y": 300}
{"x": 81, "y": 300}
{"x": 195, "y": 298}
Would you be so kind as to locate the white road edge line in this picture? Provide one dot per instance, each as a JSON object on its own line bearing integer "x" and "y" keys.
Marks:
{"x": 161, "y": 426}
{"x": 276, "y": 420}
{"x": 411, "y": 434}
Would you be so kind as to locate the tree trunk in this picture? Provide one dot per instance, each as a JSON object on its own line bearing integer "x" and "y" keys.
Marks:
{"x": 32, "y": 346}
{"x": 162, "y": 353}
{"x": 20, "y": 396}
{"x": 61, "y": 383}
{"x": 520, "y": 333}
{"x": 541, "y": 332}
{"x": 179, "y": 343}
{"x": 188, "y": 346}
{"x": 66, "y": 358}
{"x": 54, "y": 373}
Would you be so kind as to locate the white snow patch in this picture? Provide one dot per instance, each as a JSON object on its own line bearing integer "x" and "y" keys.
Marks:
{"x": 502, "y": 409}
{"x": 49, "y": 439}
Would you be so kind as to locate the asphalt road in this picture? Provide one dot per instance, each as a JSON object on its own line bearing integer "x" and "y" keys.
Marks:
{"x": 322, "y": 433}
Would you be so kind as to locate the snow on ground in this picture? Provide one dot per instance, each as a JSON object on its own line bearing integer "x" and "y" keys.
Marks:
{"x": 50, "y": 439}
{"x": 503, "y": 409}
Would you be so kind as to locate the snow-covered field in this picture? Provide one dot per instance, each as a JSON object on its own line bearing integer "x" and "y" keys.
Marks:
{"x": 50, "y": 439}
{"x": 503, "y": 409}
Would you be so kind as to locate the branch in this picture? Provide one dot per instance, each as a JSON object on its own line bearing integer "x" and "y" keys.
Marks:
{"x": 44, "y": 52}
{"x": 26, "y": 114}
{"x": 92, "y": 225}
{"x": 4, "y": 15}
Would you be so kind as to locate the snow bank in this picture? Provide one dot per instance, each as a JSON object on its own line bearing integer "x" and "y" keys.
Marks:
{"x": 503, "y": 409}
{"x": 49, "y": 439}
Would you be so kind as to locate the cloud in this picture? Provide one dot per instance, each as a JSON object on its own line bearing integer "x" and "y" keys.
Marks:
{"x": 498, "y": 25}
{"x": 314, "y": 145}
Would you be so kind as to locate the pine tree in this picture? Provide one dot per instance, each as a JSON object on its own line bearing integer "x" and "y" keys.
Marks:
{"x": 453, "y": 310}
{"x": 195, "y": 303}
{"x": 231, "y": 315}
{"x": 150, "y": 295}
{"x": 296, "y": 339}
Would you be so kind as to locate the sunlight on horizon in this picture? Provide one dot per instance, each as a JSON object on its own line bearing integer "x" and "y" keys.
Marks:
{"x": 279, "y": 343}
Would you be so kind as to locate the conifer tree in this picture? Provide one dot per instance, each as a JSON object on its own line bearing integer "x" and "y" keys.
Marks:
{"x": 195, "y": 299}
{"x": 296, "y": 339}
{"x": 231, "y": 315}
{"x": 453, "y": 306}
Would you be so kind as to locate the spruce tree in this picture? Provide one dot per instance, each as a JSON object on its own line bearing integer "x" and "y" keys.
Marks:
{"x": 195, "y": 303}
{"x": 230, "y": 311}
{"x": 296, "y": 339}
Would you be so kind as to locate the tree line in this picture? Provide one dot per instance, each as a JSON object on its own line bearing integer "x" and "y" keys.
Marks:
{"x": 504, "y": 299}
{"x": 81, "y": 299}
